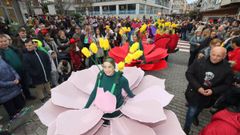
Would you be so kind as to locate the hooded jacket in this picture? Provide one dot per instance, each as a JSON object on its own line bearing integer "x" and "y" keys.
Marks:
{"x": 224, "y": 122}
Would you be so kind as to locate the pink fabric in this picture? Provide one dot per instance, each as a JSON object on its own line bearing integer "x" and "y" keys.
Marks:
{"x": 148, "y": 111}
{"x": 95, "y": 129}
{"x": 51, "y": 128}
{"x": 134, "y": 76}
{"x": 170, "y": 126}
{"x": 155, "y": 92}
{"x": 87, "y": 84}
{"x": 149, "y": 81}
{"x": 105, "y": 101}
{"x": 104, "y": 131}
{"x": 126, "y": 126}
{"x": 81, "y": 121}
{"x": 49, "y": 112}
{"x": 68, "y": 96}
{"x": 144, "y": 108}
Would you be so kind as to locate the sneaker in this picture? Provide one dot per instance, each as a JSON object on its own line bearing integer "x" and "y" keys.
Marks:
{"x": 176, "y": 50}
{"x": 213, "y": 110}
{"x": 30, "y": 98}
{"x": 186, "y": 130}
{"x": 196, "y": 122}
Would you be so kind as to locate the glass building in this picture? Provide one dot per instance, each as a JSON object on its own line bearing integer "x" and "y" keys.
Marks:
{"x": 128, "y": 7}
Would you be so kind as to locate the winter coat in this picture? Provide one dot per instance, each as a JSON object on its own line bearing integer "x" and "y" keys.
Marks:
{"x": 193, "y": 43}
{"x": 202, "y": 73}
{"x": 223, "y": 123}
{"x": 235, "y": 56}
{"x": 39, "y": 70}
{"x": 8, "y": 89}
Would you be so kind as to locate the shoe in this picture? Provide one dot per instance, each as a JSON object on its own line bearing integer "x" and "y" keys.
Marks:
{"x": 186, "y": 130}
{"x": 196, "y": 122}
{"x": 213, "y": 110}
{"x": 176, "y": 50}
{"x": 30, "y": 98}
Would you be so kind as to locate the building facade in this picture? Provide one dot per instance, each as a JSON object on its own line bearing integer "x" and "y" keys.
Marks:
{"x": 133, "y": 8}
{"x": 219, "y": 8}
{"x": 13, "y": 10}
{"x": 179, "y": 7}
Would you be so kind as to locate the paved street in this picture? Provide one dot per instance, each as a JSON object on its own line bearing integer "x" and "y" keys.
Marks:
{"x": 175, "y": 84}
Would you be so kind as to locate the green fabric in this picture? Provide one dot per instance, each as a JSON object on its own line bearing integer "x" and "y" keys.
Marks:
{"x": 13, "y": 60}
{"x": 107, "y": 83}
{"x": 42, "y": 49}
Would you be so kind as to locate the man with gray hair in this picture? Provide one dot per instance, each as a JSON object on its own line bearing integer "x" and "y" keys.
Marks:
{"x": 208, "y": 79}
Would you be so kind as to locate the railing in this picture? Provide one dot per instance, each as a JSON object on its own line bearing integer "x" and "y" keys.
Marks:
{"x": 109, "y": 12}
{"x": 127, "y": 12}
{"x": 141, "y": 11}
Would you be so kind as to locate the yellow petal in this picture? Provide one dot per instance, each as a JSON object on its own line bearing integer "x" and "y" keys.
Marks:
{"x": 93, "y": 47}
{"x": 121, "y": 66}
{"x": 128, "y": 58}
{"x": 137, "y": 54}
{"x": 106, "y": 45}
{"x": 143, "y": 28}
{"x": 134, "y": 47}
{"x": 101, "y": 42}
{"x": 86, "y": 52}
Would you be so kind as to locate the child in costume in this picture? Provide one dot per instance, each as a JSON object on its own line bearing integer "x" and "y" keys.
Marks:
{"x": 86, "y": 105}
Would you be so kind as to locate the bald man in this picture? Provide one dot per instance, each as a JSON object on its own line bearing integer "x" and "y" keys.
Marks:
{"x": 208, "y": 79}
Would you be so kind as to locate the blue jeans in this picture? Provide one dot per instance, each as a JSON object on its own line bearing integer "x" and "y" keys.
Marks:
{"x": 192, "y": 113}
{"x": 184, "y": 35}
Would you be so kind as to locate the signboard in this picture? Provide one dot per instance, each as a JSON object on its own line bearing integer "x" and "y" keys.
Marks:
{"x": 52, "y": 10}
{"x": 38, "y": 11}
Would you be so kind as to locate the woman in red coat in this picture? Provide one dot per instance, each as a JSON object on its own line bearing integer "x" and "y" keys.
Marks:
{"x": 234, "y": 56}
{"x": 227, "y": 121}
{"x": 224, "y": 122}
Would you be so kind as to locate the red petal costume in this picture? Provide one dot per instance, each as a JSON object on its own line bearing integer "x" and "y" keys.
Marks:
{"x": 154, "y": 56}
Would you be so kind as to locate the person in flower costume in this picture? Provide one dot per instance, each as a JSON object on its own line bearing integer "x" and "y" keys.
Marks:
{"x": 107, "y": 111}
{"x": 152, "y": 58}
{"x": 165, "y": 36}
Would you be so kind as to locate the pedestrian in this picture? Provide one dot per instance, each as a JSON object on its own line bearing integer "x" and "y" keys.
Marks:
{"x": 10, "y": 90}
{"x": 38, "y": 65}
{"x": 208, "y": 80}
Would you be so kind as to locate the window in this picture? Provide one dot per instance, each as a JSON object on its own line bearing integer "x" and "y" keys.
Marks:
{"x": 96, "y": 8}
{"x": 141, "y": 9}
{"x": 122, "y": 9}
{"x": 109, "y": 9}
{"x": 131, "y": 7}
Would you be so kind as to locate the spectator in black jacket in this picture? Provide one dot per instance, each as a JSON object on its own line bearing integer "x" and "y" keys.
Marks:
{"x": 38, "y": 65}
{"x": 208, "y": 79}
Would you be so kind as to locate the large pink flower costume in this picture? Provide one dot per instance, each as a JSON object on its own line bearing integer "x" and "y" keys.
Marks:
{"x": 141, "y": 115}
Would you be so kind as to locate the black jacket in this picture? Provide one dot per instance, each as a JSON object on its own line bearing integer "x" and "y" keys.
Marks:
{"x": 34, "y": 68}
{"x": 203, "y": 73}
